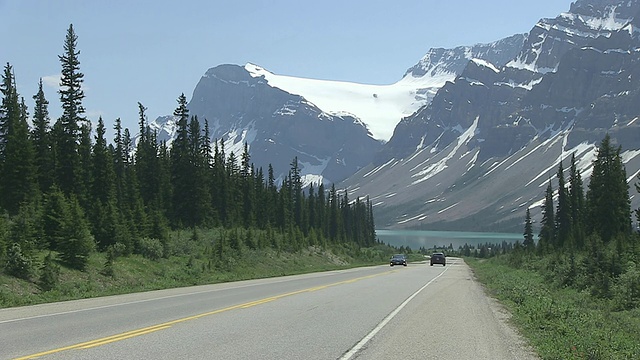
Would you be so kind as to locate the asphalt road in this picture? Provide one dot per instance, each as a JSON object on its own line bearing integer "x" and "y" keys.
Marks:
{"x": 382, "y": 312}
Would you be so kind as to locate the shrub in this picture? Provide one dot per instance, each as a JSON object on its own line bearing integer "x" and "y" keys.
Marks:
{"x": 626, "y": 290}
{"x": 18, "y": 264}
{"x": 49, "y": 274}
{"x": 151, "y": 248}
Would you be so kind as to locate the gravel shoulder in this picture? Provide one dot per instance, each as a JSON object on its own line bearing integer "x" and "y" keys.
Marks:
{"x": 452, "y": 318}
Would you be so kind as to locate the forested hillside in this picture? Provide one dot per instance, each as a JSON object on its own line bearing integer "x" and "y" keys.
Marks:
{"x": 66, "y": 191}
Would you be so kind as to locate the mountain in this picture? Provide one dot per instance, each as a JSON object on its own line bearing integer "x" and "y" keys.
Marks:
{"x": 333, "y": 128}
{"x": 485, "y": 148}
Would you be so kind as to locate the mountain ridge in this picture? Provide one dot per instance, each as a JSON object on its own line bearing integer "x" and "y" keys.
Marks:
{"x": 468, "y": 138}
{"x": 573, "y": 82}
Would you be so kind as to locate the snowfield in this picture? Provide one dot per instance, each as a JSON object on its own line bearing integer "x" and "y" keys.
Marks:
{"x": 380, "y": 107}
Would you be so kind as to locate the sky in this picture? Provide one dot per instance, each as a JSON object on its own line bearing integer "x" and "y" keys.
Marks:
{"x": 151, "y": 51}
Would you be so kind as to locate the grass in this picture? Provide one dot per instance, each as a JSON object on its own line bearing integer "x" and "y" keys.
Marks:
{"x": 191, "y": 262}
{"x": 560, "y": 323}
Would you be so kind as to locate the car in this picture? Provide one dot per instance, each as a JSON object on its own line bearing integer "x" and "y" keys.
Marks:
{"x": 438, "y": 258}
{"x": 398, "y": 259}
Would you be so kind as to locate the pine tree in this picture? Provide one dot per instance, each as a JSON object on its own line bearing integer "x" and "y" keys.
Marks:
{"x": 26, "y": 228}
{"x": 528, "y": 243}
{"x": 199, "y": 161}
{"x": 248, "y": 188}
{"x": 608, "y": 203}
{"x": 563, "y": 213}
{"x": 576, "y": 198}
{"x": 84, "y": 171}
{"x": 105, "y": 217}
{"x": 219, "y": 183}
{"x": 546, "y": 238}
{"x": 41, "y": 135}
{"x": 67, "y": 136}
{"x": 17, "y": 157}
{"x": 49, "y": 273}
{"x": 77, "y": 242}
{"x": 296, "y": 192}
{"x": 334, "y": 225}
{"x": 233, "y": 192}
{"x": 146, "y": 159}
{"x": 180, "y": 167}
{"x": 321, "y": 212}
{"x": 55, "y": 218}
{"x": 119, "y": 165}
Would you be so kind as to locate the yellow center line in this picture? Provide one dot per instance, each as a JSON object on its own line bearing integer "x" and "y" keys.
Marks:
{"x": 166, "y": 325}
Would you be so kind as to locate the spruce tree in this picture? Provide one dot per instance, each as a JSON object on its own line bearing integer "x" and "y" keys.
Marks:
{"x": 84, "y": 171}
{"x": 528, "y": 242}
{"x": 546, "y": 238}
{"x": 67, "y": 137}
{"x": 77, "y": 242}
{"x": 608, "y": 203}
{"x": 145, "y": 157}
{"x": 104, "y": 215}
{"x": 576, "y": 199}
{"x": 198, "y": 182}
{"x": 233, "y": 192}
{"x": 180, "y": 167}
{"x": 17, "y": 157}
{"x": 55, "y": 217}
{"x": 296, "y": 192}
{"x": 41, "y": 136}
{"x": 563, "y": 213}
{"x": 334, "y": 213}
{"x": 219, "y": 183}
{"x": 248, "y": 188}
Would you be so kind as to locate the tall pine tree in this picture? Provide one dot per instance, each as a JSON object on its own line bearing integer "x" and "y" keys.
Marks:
{"x": 608, "y": 204}
{"x": 528, "y": 242}
{"x": 576, "y": 199}
{"x": 563, "y": 213}
{"x": 41, "y": 135}
{"x": 17, "y": 158}
{"x": 546, "y": 238}
{"x": 66, "y": 140}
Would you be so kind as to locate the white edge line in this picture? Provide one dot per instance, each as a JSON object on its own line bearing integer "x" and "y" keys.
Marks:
{"x": 348, "y": 355}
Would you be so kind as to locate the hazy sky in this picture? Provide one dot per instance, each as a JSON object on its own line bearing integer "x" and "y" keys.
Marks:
{"x": 152, "y": 51}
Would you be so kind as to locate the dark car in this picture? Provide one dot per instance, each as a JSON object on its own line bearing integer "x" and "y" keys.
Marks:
{"x": 398, "y": 259}
{"x": 438, "y": 258}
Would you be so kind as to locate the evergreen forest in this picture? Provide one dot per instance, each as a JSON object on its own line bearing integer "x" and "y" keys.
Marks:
{"x": 67, "y": 192}
{"x": 575, "y": 292}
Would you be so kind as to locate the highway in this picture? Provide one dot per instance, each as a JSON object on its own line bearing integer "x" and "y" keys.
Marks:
{"x": 380, "y": 312}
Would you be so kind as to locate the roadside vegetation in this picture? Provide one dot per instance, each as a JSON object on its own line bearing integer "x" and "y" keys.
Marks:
{"x": 575, "y": 293}
{"x": 81, "y": 217}
{"x": 193, "y": 261}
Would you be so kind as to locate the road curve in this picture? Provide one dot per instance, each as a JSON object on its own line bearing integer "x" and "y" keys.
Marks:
{"x": 380, "y": 312}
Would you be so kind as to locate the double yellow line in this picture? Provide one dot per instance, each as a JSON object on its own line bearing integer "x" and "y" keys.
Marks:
{"x": 166, "y": 325}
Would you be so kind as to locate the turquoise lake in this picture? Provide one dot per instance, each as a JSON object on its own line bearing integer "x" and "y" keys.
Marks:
{"x": 428, "y": 239}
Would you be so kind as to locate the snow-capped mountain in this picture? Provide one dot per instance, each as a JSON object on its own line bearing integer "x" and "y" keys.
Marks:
{"x": 489, "y": 142}
{"x": 333, "y": 128}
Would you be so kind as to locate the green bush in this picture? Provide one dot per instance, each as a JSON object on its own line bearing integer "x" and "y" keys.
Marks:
{"x": 626, "y": 290}
{"x": 49, "y": 274}
{"x": 151, "y": 248}
{"x": 18, "y": 264}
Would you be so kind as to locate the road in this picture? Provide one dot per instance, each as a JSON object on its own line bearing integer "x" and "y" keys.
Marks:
{"x": 380, "y": 312}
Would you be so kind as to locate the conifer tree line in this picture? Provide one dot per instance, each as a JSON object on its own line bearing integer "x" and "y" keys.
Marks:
{"x": 571, "y": 219}
{"x": 65, "y": 188}
{"x": 588, "y": 235}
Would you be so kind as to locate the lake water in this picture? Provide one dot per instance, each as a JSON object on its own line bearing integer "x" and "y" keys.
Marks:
{"x": 428, "y": 239}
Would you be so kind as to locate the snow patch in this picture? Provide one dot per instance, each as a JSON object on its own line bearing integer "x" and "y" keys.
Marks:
{"x": 485, "y": 63}
{"x": 439, "y": 166}
{"x": 380, "y": 107}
